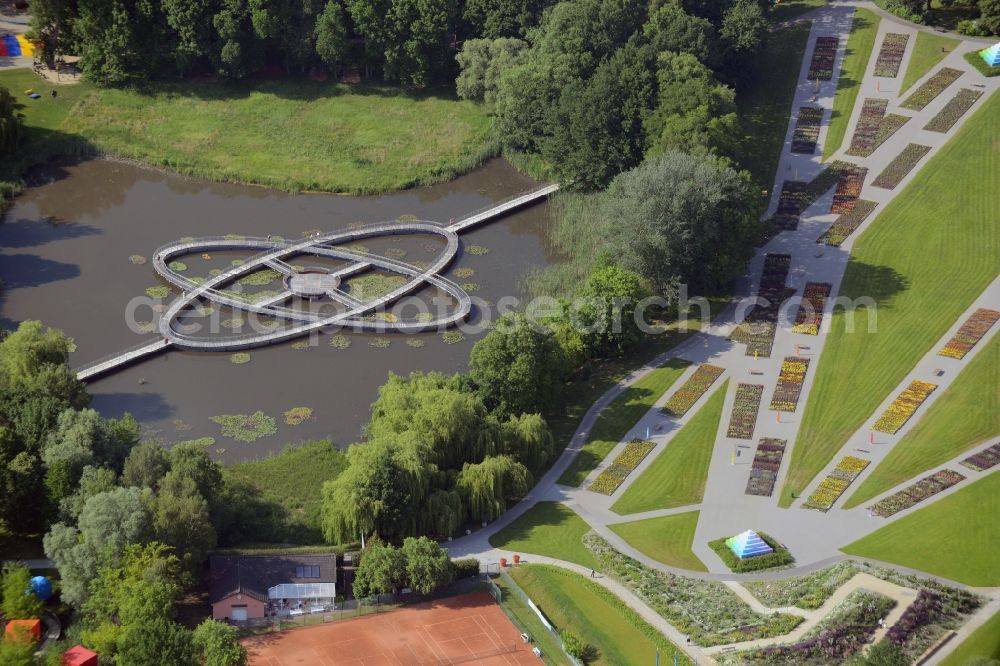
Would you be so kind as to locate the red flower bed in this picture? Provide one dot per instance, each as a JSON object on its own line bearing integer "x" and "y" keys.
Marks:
{"x": 766, "y": 463}
{"x": 890, "y": 56}
{"x": 806, "y": 131}
{"x": 953, "y": 110}
{"x": 874, "y": 127}
{"x": 790, "y": 381}
{"x": 824, "y": 54}
{"x": 745, "y": 406}
{"x": 904, "y": 406}
{"x": 900, "y": 166}
{"x": 790, "y": 205}
{"x": 846, "y": 223}
{"x": 757, "y": 331}
{"x": 983, "y": 460}
{"x": 848, "y": 189}
{"x": 810, "y": 314}
{"x": 934, "y": 86}
{"x": 918, "y": 492}
{"x": 971, "y": 332}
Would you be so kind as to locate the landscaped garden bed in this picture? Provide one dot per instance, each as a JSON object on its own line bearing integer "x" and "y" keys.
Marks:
{"x": 824, "y": 54}
{"x": 934, "y": 86}
{"x": 758, "y": 329}
{"x": 847, "y": 223}
{"x": 904, "y": 406}
{"x": 790, "y": 380}
{"x": 833, "y": 486}
{"x": 849, "y": 182}
{"x": 874, "y": 127}
{"x": 809, "y": 591}
{"x": 971, "y": 332}
{"x": 900, "y": 166}
{"x": 806, "y": 132}
{"x": 983, "y": 460}
{"x": 707, "y": 611}
{"x": 890, "y": 56}
{"x": 810, "y": 315}
{"x": 953, "y": 110}
{"x": 746, "y": 403}
{"x": 696, "y": 385}
{"x": 779, "y": 558}
{"x": 634, "y": 453}
{"x": 790, "y": 206}
{"x": 916, "y": 493}
{"x": 766, "y": 463}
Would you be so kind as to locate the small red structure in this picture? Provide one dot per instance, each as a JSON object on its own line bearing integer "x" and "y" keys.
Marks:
{"x": 24, "y": 629}
{"x": 78, "y": 656}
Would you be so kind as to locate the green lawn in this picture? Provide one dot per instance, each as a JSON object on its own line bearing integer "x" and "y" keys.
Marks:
{"x": 526, "y": 620}
{"x": 765, "y": 107}
{"x": 928, "y": 51}
{"x": 923, "y": 261}
{"x": 299, "y": 135}
{"x": 548, "y": 528}
{"x": 860, "y": 43}
{"x": 967, "y": 414}
{"x": 955, "y": 537}
{"x": 576, "y": 605}
{"x": 619, "y": 417}
{"x": 292, "y": 480}
{"x": 789, "y": 9}
{"x": 677, "y": 476}
{"x": 984, "y": 642}
{"x": 666, "y": 539}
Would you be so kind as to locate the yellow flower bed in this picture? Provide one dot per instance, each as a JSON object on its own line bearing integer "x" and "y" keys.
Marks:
{"x": 633, "y": 454}
{"x": 903, "y": 407}
{"x": 833, "y": 486}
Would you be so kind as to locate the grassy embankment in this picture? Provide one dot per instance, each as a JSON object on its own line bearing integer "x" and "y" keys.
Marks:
{"x": 666, "y": 539}
{"x": 928, "y": 51}
{"x": 955, "y": 537}
{"x": 929, "y": 254}
{"x": 859, "y": 48}
{"x": 548, "y": 528}
{"x": 576, "y": 605}
{"x": 678, "y": 474}
{"x": 967, "y": 414}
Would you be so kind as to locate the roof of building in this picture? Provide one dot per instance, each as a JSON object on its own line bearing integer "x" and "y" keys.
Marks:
{"x": 254, "y": 575}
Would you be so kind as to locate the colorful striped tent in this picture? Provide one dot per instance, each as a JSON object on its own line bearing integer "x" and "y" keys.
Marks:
{"x": 991, "y": 55}
{"x": 13, "y": 46}
{"x": 748, "y": 544}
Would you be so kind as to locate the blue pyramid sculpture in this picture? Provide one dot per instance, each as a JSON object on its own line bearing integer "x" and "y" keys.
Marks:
{"x": 992, "y": 55}
{"x": 748, "y": 544}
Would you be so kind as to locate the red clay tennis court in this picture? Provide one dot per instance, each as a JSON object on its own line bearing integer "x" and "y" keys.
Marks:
{"x": 468, "y": 629}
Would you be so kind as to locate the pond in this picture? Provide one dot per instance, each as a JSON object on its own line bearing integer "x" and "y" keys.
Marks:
{"x": 71, "y": 255}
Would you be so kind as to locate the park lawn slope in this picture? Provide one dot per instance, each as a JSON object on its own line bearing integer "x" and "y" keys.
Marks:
{"x": 928, "y": 51}
{"x": 955, "y": 537}
{"x": 666, "y": 539}
{"x": 860, "y": 43}
{"x": 548, "y": 528}
{"x": 578, "y": 606}
{"x": 619, "y": 417}
{"x": 764, "y": 108}
{"x": 923, "y": 261}
{"x": 292, "y": 135}
{"x": 967, "y": 414}
{"x": 678, "y": 474}
{"x": 984, "y": 642}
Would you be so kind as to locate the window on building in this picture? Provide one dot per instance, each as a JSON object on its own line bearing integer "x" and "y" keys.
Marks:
{"x": 307, "y": 571}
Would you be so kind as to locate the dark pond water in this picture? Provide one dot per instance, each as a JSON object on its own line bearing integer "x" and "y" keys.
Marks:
{"x": 65, "y": 249}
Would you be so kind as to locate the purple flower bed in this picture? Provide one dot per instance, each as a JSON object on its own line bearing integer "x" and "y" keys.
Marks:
{"x": 806, "y": 131}
{"x": 825, "y": 52}
{"x": 890, "y": 56}
{"x": 900, "y": 166}
{"x": 983, "y": 460}
{"x": 766, "y": 463}
{"x": 953, "y": 110}
{"x": 916, "y": 493}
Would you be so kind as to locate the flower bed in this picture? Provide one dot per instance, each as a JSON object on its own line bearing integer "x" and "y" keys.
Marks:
{"x": 809, "y": 591}
{"x": 916, "y": 493}
{"x": 900, "y": 166}
{"x": 810, "y": 315}
{"x": 971, "y": 332}
{"x": 872, "y": 112}
{"x": 786, "y": 217}
{"x": 833, "y": 486}
{"x": 790, "y": 380}
{"x": 766, "y": 463}
{"x": 779, "y": 558}
{"x": 696, "y": 385}
{"x": 633, "y": 454}
{"x": 846, "y": 224}
{"x": 983, "y": 460}
{"x": 707, "y": 611}
{"x": 904, "y": 406}
{"x": 757, "y": 331}
{"x": 824, "y": 54}
{"x": 953, "y": 110}
{"x": 934, "y": 86}
{"x": 890, "y": 56}
{"x": 745, "y": 406}
{"x": 849, "y": 183}
{"x": 806, "y": 131}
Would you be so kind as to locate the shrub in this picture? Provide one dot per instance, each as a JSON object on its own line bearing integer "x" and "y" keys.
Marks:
{"x": 779, "y": 558}
{"x": 467, "y": 567}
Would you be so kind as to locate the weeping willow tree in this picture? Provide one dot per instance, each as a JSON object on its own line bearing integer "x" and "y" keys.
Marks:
{"x": 11, "y": 122}
{"x": 487, "y": 486}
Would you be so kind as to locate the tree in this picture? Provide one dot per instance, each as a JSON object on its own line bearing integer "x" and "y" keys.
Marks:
{"x": 481, "y": 63}
{"x": 989, "y": 16}
{"x": 518, "y": 367}
{"x": 50, "y": 20}
{"x": 154, "y": 643}
{"x": 683, "y": 219}
{"x": 181, "y": 519}
{"x": 68, "y": 449}
{"x": 744, "y": 31}
{"x": 492, "y": 19}
{"x": 192, "y": 461}
{"x": 579, "y": 648}
{"x": 427, "y": 564}
{"x": 145, "y": 465}
{"x": 382, "y": 570}
{"x": 191, "y": 22}
{"x": 19, "y": 602}
{"x": 526, "y": 438}
{"x": 489, "y": 485}
{"x": 11, "y": 123}
{"x": 217, "y": 644}
{"x": 670, "y": 28}
{"x": 121, "y": 41}
{"x": 331, "y": 36}
{"x": 17, "y": 652}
